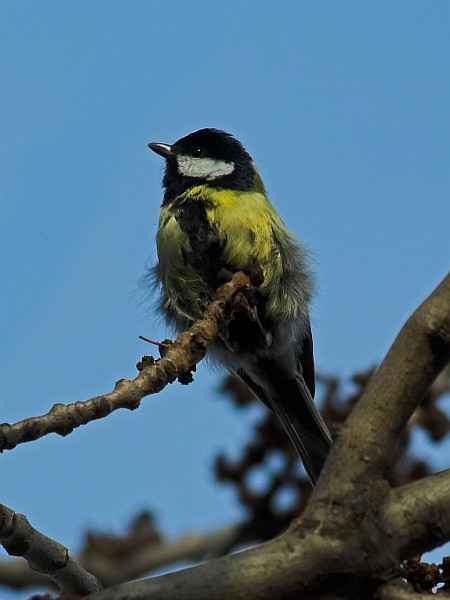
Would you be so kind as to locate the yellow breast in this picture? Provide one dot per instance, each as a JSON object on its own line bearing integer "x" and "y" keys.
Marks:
{"x": 246, "y": 225}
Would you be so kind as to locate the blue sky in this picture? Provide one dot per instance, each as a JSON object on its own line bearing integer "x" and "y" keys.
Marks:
{"x": 345, "y": 108}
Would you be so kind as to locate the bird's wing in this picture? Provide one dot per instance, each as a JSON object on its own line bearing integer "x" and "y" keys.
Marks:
{"x": 290, "y": 396}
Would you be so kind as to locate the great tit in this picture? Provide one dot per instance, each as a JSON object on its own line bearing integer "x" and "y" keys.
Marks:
{"x": 216, "y": 215}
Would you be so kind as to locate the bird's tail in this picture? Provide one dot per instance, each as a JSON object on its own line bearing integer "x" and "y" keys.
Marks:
{"x": 301, "y": 420}
{"x": 290, "y": 399}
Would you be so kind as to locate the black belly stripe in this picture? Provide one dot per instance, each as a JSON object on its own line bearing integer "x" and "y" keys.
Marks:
{"x": 206, "y": 255}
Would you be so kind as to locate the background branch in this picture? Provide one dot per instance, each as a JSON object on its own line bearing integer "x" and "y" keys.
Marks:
{"x": 114, "y": 561}
{"x": 194, "y": 547}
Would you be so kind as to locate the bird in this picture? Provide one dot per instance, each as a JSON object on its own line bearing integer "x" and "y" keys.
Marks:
{"x": 216, "y": 217}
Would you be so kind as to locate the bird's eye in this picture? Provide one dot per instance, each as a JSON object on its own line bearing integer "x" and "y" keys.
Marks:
{"x": 197, "y": 152}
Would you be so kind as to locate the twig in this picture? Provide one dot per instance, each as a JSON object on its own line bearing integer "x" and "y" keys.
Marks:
{"x": 192, "y": 547}
{"x": 179, "y": 358}
{"x": 155, "y": 343}
{"x": 43, "y": 554}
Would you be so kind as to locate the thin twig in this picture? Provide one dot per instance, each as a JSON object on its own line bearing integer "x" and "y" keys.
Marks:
{"x": 179, "y": 358}
{"x": 43, "y": 554}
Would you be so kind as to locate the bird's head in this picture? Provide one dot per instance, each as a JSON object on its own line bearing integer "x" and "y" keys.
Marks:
{"x": 207, "y": 156}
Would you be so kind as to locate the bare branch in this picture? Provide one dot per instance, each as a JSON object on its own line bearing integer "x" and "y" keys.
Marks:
{"x": 189, "y": 548}
{"x": 43, "y": 554}
{"x": 282, "y": 568}
{"x": 179, "y": 358}
{"x": 366, "y": 443}
{"x": 419, "y": 514}
{"x": 193, "y": 547}
{"x": 17, "y": 575}
{"x": 335, "y": 545}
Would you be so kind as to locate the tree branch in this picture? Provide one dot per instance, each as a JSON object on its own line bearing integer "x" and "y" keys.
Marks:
{"x": 342, "y": 542}
{"x": 179, "y": 358}
{"x": 419, "y": 514}
{"x": 346, "y": 539}
{"x": 188, "y": 548}
{"x": 43, "y": 554}
{"x": 192, "y": 547}
{"x": 276, "y": 569}
{"x": 367, "y": 440}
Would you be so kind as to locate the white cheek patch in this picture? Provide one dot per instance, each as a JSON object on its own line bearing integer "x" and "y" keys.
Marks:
{"x": 203, "y": 168}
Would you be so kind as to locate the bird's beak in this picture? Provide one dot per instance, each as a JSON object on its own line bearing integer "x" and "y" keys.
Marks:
{"x": 164, "y": 150}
